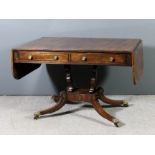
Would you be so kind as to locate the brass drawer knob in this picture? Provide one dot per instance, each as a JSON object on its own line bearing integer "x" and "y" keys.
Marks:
{"x": 56, "y": 57}
{"x": 84, "y": 58}
{"x": 112, "y": 59}
{"x": 30, "y": 57}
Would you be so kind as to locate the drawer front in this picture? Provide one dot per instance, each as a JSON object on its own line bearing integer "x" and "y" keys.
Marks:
{"x": 101, "y": 58}
{"x": 47, "y": 57}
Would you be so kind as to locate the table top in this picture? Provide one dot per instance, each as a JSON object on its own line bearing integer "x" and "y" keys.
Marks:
{"x": 80, "y": 51}
{"x": 81, "y": 44}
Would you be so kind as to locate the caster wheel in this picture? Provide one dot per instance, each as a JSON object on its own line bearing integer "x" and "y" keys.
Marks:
{"x": 36, "y": 115}
{"x": 116, "y": 122}
{"x": 125, "y": 104}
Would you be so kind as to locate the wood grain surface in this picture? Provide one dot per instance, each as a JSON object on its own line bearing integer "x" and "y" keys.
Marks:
{"x": 81, "y": 44}
{"x": 79, "y": 51}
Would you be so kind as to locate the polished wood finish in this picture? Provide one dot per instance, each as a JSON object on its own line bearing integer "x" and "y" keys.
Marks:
{"x": 80, "y": 51}
{"x": 68, "y": 78}
{"x": 101, "y": 59}
{"x": 86, "y": 51}
{"x": 83, "y": 95}
{"x": 41, "y": 57}
{"x": 60, "y": 102}
{"x": 93, "y": 79}
{"x": 73, "y": 58}
{"x": 80, "y": 45}
{"x": 137, "y": 63}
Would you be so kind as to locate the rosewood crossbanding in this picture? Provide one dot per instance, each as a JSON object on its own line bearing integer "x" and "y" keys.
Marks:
{"x": 79, "y": 51}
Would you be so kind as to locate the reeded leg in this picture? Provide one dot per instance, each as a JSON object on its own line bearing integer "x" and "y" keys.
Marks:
{"x": 60, "y": 103}
{"x": 93, "y": 80}
{"x": 122, "y": 103}
{"x": 103, "y": 113}
{"x": 68, "y": 78}
{"x": 103, "y": 98}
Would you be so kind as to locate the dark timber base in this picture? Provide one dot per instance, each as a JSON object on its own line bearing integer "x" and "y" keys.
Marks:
{"x": 91, "y": 95}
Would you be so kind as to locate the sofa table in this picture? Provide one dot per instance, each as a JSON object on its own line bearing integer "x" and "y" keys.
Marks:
{"x": 80, "y": 51}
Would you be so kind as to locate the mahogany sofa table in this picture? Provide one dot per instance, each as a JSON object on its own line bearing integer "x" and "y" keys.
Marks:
{"x": 80, "y": 51}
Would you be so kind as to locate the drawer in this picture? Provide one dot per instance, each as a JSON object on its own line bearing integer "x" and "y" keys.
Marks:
{"x": 51, "y": 57}
{"x": 101, "y": 58}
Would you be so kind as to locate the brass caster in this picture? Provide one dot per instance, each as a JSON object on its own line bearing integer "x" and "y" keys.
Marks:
{"x": 36, "y": 115}
{"x": 116, "y": 122}
{"x": 125, "y": 103}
